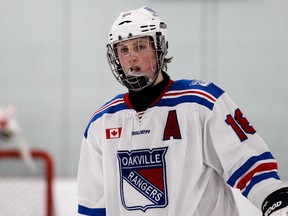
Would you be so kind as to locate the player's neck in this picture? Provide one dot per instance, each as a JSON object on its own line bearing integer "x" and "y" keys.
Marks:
{"x": 143, "y": 99}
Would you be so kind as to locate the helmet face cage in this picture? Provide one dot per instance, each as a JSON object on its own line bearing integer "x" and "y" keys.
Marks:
{"x": 131, "y": 25}
{"x": 133, "y": 79}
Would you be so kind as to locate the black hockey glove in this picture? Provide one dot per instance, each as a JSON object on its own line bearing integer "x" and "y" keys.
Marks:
{"x": 276, "y": 204}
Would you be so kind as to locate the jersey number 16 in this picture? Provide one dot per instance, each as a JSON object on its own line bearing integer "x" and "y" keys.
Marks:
{"x": 240, "y": 125}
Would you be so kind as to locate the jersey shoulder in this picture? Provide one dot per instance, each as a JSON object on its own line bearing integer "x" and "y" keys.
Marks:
{"x": 198, "y": 85}
{"x": 191, "y": 91}
{"x": 110, "y": 107}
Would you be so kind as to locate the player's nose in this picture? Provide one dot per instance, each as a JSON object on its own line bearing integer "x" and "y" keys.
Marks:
{"x": 133, "y": 56}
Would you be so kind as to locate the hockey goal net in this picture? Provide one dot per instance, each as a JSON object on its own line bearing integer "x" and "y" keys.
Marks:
{"x": 26, "y": 191}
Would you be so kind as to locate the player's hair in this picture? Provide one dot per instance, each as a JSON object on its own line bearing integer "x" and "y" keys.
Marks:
{"x": 136, "y": 24}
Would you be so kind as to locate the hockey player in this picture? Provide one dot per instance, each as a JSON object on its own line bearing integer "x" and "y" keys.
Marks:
{"x": 169, "y": 148}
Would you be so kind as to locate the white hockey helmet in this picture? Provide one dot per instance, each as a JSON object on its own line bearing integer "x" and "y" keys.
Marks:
{"x": 135, "y": 24}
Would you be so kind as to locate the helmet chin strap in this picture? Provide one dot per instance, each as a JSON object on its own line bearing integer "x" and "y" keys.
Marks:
{"x": 153, "y": 81}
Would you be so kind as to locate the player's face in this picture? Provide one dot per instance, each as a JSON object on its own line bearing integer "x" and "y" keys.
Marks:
{"x": 137, "y": 57}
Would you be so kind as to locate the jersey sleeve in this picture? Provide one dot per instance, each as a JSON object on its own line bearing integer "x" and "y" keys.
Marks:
{"x": 91, "y": 199}
{"x": 235, "y": 150}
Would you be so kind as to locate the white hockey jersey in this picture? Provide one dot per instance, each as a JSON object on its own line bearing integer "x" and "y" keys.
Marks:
{"x": 180, "y": 157}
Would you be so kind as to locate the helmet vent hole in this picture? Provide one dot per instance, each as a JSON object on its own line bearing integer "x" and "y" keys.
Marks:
{"x": 128, "y": 21}
{"x": 146, "y": 28}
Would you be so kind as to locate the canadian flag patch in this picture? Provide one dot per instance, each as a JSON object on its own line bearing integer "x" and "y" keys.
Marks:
{"x": 112, "y": 133}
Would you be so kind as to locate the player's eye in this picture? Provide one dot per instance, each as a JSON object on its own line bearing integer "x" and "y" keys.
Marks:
{"x": 140, "y": 48}
{"x": 124, "y": 50}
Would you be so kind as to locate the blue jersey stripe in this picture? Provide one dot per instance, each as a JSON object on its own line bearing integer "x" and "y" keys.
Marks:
{"x": 255, "y": 180}
{"x": 182, "y": 86}
{"x": 246, "y": 166}
{"x": 210, "y": 88}
{"x": 109, "y": 110}
{"x": 179, "y": 85}
{"x": 170, "y": 102}
{"x": 91, "y": 211}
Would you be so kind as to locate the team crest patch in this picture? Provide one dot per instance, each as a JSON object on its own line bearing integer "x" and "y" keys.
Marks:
{"x": 143, "y": 178}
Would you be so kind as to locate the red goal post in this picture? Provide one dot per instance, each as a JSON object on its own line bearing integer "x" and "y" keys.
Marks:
{"x": 31, "y": 190}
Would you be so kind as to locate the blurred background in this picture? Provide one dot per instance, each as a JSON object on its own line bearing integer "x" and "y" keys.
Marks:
{"x": 53, "y": 64}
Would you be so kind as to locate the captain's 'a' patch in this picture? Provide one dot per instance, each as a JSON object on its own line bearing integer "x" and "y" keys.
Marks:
{"x": 143, "y": 178}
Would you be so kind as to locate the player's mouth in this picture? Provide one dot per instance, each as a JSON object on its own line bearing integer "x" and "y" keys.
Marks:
{"x": 135, "y": 71}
